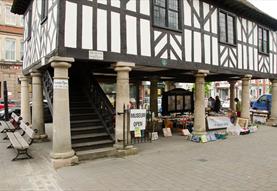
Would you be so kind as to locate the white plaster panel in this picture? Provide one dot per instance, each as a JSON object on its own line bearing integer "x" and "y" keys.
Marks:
{"x": 70, "y": 33}
{"x": 157, "y": 34}
{"x": 131, "y": 5}
{"x": 115, "y": 3}
{"x": 131, "y": 32}
{"x": 102, "y": 1}
{"x": 214, "y": 21}
{"x": 239, "y": 56}
{"x": 233, "y": 56}
{"x": 101, "y": 30}
{"x": 244, "y": 57}
{"x": 206, "y": 9}
{"x": 223, "y": 57}
{"x": 197, "y": 47}
{"x": 172, "y": 56}
{"x": 207, "y": 41}
{"x": 196, "y": 22}
{"x": 160, "y": 45}
{"x": 255, "y": 33}
{"x": 145, "y": 37}
{"x": 188, "y": 44}
{"x": 196, "y": 6}
{"x": 165, "y": 55}
{"x": 87, "y": 27}
{"x": 187, "y": 13}
{"x": 175, "y": 47}
{"x": 251, "y": 62}
{"x": 255, "y": 59}
{"x": 115, "y": 35}
{"x": 215, "y": 51}
{"x": 145, "y": 7}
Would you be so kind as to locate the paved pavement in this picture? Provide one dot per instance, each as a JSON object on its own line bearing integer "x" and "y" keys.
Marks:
{"x": 238, "y": 163}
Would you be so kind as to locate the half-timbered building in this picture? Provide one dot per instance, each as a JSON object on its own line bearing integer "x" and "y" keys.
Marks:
{"x": 135, "y": 40}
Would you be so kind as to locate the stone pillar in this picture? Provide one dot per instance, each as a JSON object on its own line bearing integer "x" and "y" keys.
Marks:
{"x": 25, "y": 99}
{"x": 273, "y": 116}
{"x": 232, "y": 95}
{"x": 245, "y": 98}
{"x": 122, "y": 97}
{"x": 62, "y": 153}
{"x": 154, "y": 95}
{"x": 37, "y": 106}
{"x": 199, "y": 103}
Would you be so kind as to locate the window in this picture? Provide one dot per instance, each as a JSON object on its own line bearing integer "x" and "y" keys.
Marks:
{"x": 227, "y": 28}
{"x": 166, "y": 13}
{"x": 29, "y": 29}
{"x": 21, "y": 50}
{"x": 9, "y": 16}
{"x": 10, "y": 49}
{"x": 21, "y": 21}
{"x": 44, "y": 10}
{"x": 263, "y": 41}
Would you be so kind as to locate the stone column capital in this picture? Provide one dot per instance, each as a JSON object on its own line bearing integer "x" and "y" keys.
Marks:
{"x": 123, "y": 66}
{"x": 64, "y": 65}
{"x": 232, "y": 82}
{"x": 61, "y": 59}
{"x": 23, "y": 78}
{"x": 35, "y": 73}
{"x": 201, "y": 73}
{"x": 246, "y": 77}
{"x": 273, "y": 81}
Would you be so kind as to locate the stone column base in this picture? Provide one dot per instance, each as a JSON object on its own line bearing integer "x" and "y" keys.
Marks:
{"x": 271, "y": 122}
{"x": 41, "y": 138}
{"x": 59, "y": 163}
{"x": 199, "y": 133}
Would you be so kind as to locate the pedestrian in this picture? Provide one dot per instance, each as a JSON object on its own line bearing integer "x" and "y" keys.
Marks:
{"x": 211, "y": 102}
{"x": 238, "y": 106}
{"x": 217, "y": 104}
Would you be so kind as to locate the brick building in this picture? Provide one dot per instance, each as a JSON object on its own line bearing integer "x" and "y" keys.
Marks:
{"x": 11, "y": 49}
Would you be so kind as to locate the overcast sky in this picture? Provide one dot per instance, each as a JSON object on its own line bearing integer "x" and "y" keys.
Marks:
{"x": 267, "y": 6}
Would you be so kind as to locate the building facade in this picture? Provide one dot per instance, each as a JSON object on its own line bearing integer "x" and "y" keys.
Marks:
{"x": 131, "y": 41}
{"x": 11, "y": 53}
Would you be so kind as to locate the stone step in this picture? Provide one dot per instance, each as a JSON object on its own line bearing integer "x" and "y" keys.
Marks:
{"x": 89, "y": 135}
{"x": 96, "y": 153}
{"x": 86, "y": 128}
{"x": 85, "y": 121}
{"x": 92, "y": 144}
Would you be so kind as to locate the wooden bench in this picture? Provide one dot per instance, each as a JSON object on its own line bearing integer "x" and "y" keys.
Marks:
{"x": 21, "y": 142}
{"x": 12, "y": 125}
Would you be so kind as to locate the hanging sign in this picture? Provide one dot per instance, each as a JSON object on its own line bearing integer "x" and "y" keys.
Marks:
{"x": 218, "y": 122}
{"x": 60, "y": 84}
{"x": 95, "y": 55}
{"x": 137, "y": 119}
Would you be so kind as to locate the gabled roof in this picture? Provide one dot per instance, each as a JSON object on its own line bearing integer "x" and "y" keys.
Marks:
{"x": 20, "y": 6}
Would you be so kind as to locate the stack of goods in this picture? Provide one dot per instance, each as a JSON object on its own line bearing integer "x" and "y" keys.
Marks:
{"x": 211, "y": 136}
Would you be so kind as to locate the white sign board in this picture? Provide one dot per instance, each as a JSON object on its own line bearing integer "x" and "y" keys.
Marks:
{"x": 95, "y": 55}
{"x": 60, "y": 84}
{"x": 137, "y": 119}
{"x": 218, "y": 122}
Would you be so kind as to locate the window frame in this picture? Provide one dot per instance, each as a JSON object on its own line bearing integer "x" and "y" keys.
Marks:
{"x": 9, "y": 15}
{"x": 226, "y": 27}
{"x": 268, "y": 47}
{"x": 44, "y": 11}
{"x": 167, "y": 9}
{"x": 14, "y": 40}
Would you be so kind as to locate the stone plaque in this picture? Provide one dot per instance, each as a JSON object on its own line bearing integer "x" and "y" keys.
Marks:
{"x": 96, "y": 55}
{"x": 60, "y": 84}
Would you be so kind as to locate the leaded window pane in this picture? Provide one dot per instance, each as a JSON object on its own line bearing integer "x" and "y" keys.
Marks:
{"x": 231, "y": 30}
{"x": 173, "y": 4}
{"x": 222, "y": 27}
{"x": 173, "y": 19}
{"x": 159, "y": 16}
{"x": 160, "y": 2}
{"x": 10, "y": 49}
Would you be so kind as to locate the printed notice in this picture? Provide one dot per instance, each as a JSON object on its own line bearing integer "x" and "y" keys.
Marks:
{"x": 96, "y": 55}
{"x": 60, "y": 84}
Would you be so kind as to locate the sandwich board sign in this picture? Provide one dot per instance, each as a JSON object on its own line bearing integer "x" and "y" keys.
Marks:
{"x": 137, "y": 119}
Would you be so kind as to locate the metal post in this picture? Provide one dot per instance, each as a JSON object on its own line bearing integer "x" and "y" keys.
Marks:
{"x": 124, "y": 144}
{"x": 6, "y": 101}
{"x": 128, "y": 125}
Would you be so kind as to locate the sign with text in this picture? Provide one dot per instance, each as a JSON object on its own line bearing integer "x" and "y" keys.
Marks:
{"x": 218, "y": 122}
{"x": 137, "y": 119}
{"x": 95, "y": 55}
{"x": 60, "y": 84}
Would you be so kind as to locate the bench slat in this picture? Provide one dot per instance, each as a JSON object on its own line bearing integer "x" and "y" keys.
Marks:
{"x": 21, "y": 140}
{"x": 14, "y": 141}
{"x": 30, "y": 132}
